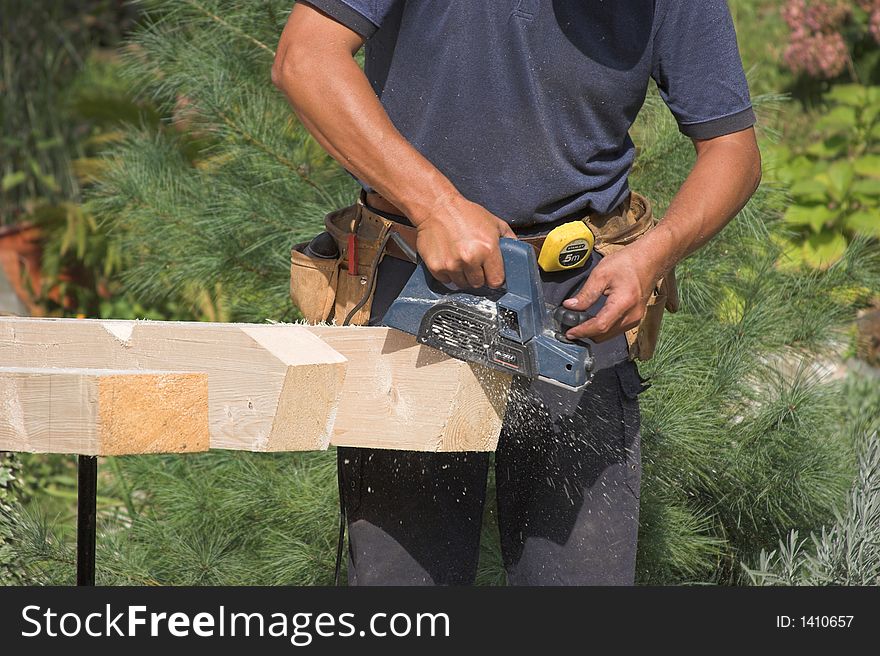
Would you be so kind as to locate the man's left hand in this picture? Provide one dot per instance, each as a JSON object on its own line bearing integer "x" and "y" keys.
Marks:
{"x": 627, "y": 279}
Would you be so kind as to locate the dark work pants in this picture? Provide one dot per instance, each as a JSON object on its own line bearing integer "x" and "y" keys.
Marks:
{"x": 567, "y": 476}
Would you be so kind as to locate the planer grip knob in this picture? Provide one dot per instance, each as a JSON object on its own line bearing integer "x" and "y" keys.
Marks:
{"x": 567, "y": 319}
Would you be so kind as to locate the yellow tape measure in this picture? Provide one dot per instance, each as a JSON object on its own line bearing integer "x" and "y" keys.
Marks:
{"x": 568, "y": 246}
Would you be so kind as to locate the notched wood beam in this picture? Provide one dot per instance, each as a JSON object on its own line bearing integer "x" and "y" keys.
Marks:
{"x": 270, "y": 387}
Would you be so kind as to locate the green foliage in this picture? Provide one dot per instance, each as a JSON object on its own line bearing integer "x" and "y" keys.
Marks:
{"x": 761, "y": 32}
{"x": 62, "y": 102}
{"x": 80, "y": 258}
{"x": 744, "y": 436}
{"x": 208, "y": 212}
{"x": 744, "y": 439}
{"x": 43, "y": 44}
{"x": 220, "y": 518}
{"x": 834, "y": 180}
{"x": 845, "y": 553}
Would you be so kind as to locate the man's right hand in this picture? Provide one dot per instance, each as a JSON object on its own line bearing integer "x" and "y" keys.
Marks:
{"x": 459, "y": 243}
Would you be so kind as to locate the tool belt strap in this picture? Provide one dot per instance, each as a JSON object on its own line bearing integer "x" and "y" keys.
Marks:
{"x": 612, "y": 231}
{"x": 370, "y": 226}
{"x": 622, "y": 226}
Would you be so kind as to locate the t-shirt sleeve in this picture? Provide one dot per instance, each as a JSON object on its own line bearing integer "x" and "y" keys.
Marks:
{"x": 361, "y": 16}
{"x": 698, "y": 69}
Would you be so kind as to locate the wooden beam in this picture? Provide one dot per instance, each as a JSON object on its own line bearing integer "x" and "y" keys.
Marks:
{"x": 270, "y": 387}
{"x": 399, "y": 394}
{"x": 284, "y": 387}
{"x": 102, "y": 412}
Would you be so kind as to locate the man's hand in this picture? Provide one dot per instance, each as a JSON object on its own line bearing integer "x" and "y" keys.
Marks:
{"x": 459, "y": 242}
{"x": 627, "y": 279}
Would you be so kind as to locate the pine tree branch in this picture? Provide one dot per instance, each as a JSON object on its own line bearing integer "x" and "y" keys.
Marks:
{"x": 267, "y": 150}
{"x": 218, "y": 19}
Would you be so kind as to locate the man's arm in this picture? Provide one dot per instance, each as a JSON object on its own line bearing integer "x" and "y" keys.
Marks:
{"x": 726, "y": 174}
{"x": 315, "y": 68}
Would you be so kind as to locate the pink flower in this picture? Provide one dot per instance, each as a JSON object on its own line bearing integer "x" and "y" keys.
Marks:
{"x": 816, "y": 46}
{"x": 818, "y": 55}
{"x": 793, "y": 13}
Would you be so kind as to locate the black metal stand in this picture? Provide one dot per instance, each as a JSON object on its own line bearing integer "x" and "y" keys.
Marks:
{"x": 86, "y": 518}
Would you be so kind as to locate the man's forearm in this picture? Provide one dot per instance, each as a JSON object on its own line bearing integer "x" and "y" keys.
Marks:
{"x": 331, "y": 95}
{"x": 724, "y": 177}
{"x": 726, "y": 174}
{"x": 457, "y": 239}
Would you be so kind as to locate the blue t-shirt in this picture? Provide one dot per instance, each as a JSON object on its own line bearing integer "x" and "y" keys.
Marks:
{"x": 526, "y": 105}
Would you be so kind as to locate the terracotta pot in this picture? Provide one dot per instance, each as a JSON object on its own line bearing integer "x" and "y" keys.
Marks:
{"x": 21, "y": 252}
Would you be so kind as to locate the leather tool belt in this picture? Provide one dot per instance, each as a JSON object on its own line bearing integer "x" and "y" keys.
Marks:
{"x": 340, "y": 288}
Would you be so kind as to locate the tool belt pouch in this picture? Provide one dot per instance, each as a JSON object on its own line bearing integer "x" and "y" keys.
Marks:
{"x": 330, "y": 289}
{"x": 312, "y": 284}
{"x": 613, "y": 233}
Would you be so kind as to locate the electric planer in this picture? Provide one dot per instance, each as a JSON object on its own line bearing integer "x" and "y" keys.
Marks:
{"x": 512, "y": 329}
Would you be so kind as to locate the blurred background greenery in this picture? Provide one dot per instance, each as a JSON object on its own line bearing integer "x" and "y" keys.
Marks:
{"x": 149, "y": 170}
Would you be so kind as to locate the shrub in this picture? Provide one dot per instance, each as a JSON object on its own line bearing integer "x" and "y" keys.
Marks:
{"x": 845, "y": 553}
{"x": 834, "y": 179}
